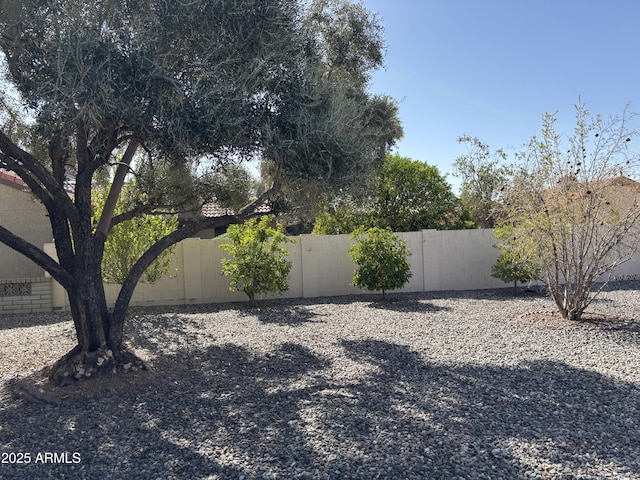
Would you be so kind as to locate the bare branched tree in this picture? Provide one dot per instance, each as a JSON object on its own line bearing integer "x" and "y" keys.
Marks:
{"x": 576, "y": 203}
{"x": 483, "y": 175}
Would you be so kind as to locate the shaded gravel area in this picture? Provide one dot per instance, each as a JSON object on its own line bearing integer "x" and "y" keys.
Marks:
{"x": 451, "y": 385}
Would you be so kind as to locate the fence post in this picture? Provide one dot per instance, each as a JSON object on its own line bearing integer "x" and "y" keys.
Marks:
{"x": 192, "y": 271}
{"x": 59, "y": 298}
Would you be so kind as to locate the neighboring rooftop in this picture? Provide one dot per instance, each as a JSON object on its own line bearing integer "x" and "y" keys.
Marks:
{"x": 212, "y": 209}
{"x": 11, "y": 179}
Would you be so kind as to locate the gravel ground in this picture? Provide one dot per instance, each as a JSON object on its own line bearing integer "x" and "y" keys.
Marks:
{"x": 451, "y": 385}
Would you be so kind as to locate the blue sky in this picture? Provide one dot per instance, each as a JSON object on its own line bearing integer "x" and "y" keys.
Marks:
{"x": 492, "y": 68}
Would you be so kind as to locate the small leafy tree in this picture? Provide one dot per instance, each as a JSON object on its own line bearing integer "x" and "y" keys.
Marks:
{"x": 381, "y": 258}
{"x": 517, "y": 262}
{"x": 258, "y": 264}
{"x": 127, "y": 241}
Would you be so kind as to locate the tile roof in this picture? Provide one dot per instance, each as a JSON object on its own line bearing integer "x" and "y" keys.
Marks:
{"x": 7, "y": 177}
{"x": 212, "y": 209}
{"x": 10, "y": 178}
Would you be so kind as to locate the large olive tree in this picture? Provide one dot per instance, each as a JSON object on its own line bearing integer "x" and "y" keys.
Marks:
{"x": 167, "y": 91}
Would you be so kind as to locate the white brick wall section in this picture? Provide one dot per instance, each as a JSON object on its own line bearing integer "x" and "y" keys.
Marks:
{"x": 40, "y": 300}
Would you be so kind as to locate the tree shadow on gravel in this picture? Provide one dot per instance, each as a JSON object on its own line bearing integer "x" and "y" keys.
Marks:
{"x": 408, "y": 306}
{"x": 235, "y": 413}
{"x": 506, "y": 294}
{"x": 154, "y": 335}
{"x": 284, "y": 315}
{"x": 624, "y": 285}
{"x": 27, "y": 320}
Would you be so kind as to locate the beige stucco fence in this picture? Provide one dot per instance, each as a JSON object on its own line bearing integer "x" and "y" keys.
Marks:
{"x": 440, "y": 260}
{"x": 321, "y": 266}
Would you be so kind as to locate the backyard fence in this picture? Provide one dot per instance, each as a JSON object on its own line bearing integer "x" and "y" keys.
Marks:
{"x": 321, "y": 266}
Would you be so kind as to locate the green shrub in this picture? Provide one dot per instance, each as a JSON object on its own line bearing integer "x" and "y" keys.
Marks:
{"x": 517, "y": 262}
{"x": 258, "y": 264}
{"x": 381, "y": 260}
{"x": 127, "y": 241}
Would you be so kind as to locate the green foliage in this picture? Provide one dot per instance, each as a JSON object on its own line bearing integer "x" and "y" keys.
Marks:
{"x": 412, "y": 195}
{"x": 258, "y": 264}
{"x": 406, "y": 196}
{"x": 381, "y": 258}
{"x": 340, "y": 219}
{"x": 517, "y": 262}
{"x": 127, "y": 241}
{"x": 343, "y": 131}
{"x": 352, "y": 38}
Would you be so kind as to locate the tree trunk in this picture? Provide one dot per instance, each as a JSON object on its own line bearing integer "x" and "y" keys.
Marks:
{"x": 99, "y": 331}
{"x": 93, "y": 356}
{"x": 575, "y": 316}
{"x": 567, "y": 310}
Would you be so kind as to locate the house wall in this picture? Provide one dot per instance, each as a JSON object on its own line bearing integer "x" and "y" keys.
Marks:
{"x": 26, "y": 217}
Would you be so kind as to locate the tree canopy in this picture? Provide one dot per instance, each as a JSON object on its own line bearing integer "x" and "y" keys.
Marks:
{"x": 484, "y": 177}
{"x": 412, "y": 195}
{"x": 351, "y": 45}
{"x": 407, "y": 195}
{"x": 167, "y": 93}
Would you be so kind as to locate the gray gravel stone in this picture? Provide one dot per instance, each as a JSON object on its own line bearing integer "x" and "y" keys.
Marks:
{"x": 451, "y": 385}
